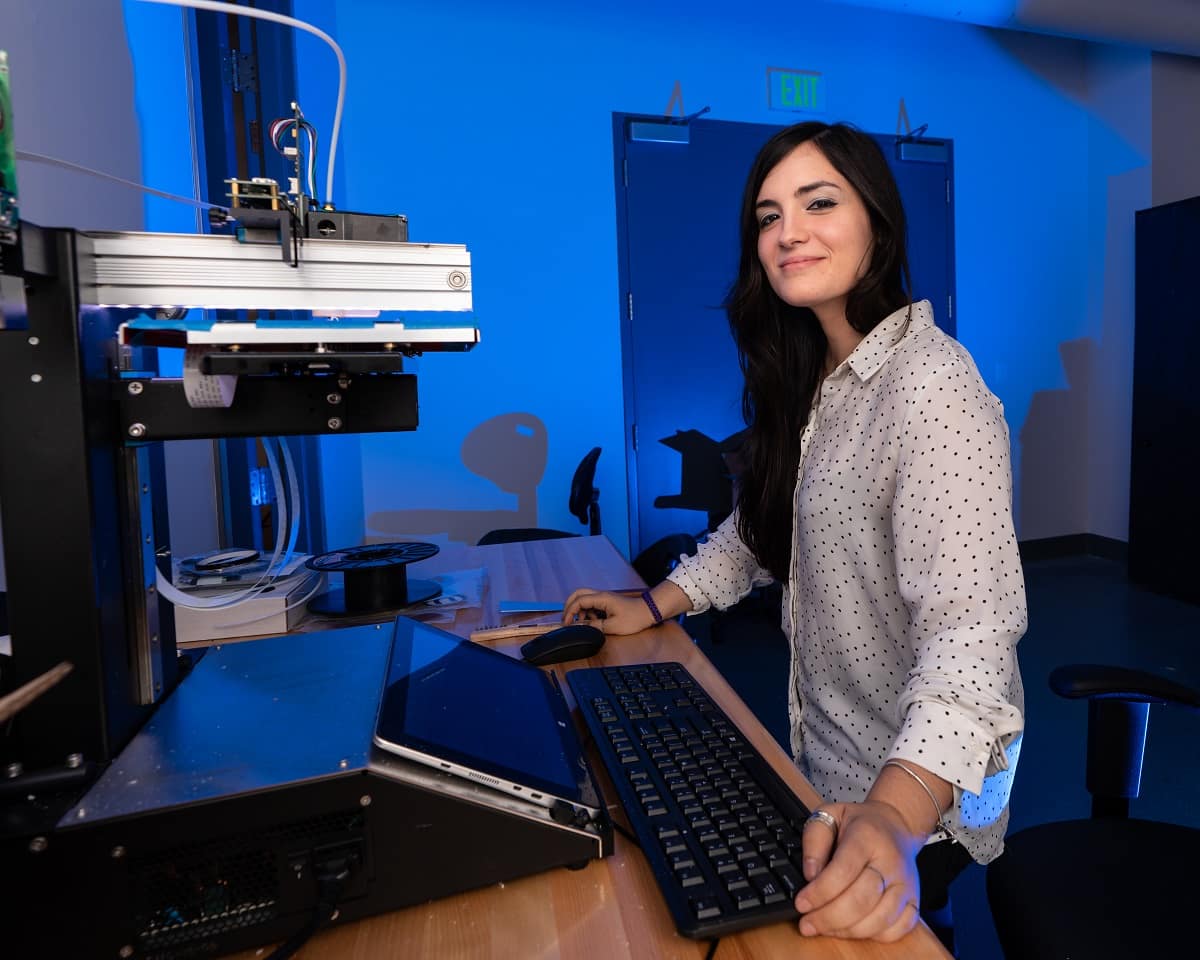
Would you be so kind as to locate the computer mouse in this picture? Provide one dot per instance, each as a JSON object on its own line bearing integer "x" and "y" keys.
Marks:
{"x": 572, "y": 642}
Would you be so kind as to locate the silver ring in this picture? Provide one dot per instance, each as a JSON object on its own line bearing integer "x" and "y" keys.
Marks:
{"x": 825, "y": 817}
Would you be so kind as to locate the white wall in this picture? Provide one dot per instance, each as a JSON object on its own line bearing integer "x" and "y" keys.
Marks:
{"x": 72, "y": 92}
{"x": 1176, "y": 127}
{"x": 73, "y": 99}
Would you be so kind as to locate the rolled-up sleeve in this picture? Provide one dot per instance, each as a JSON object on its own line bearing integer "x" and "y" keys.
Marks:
{"x": 960, "y": 578}
{"x": 721, "y": 573}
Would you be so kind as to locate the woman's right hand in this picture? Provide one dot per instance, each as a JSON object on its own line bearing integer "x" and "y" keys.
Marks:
{"x": 611, "y": 612}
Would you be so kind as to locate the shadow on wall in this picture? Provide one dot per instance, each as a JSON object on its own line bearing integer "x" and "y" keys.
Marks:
{"x": 1054, "y": 450}
{"x": 509, "y": 450}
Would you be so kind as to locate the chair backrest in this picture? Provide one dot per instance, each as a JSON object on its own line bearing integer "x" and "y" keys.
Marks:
{"x": 1118, "y": 712}
{"x": 1108, "y": 887}
{"x": 584, "y": 501}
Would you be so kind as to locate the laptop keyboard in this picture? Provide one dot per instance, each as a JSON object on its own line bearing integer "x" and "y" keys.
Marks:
{"x": 720, "y": 829}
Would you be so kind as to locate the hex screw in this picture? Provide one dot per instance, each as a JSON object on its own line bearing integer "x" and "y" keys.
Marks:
{"x": 335, "y": 423}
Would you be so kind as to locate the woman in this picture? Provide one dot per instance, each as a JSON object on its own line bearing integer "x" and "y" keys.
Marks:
{"x": 878, "y": 491}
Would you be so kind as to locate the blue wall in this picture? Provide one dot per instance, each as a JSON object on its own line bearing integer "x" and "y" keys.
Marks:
{"x": 491, "y": 126}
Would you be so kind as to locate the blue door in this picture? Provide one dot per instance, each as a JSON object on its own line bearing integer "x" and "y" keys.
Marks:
{"x": 678, "y": 191}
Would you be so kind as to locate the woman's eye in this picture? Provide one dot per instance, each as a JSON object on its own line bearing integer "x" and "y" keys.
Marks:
{"x": 766, "y": 220}
{"x": 822, "y": 203}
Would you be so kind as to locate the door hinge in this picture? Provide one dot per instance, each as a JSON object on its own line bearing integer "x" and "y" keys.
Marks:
{"x": 625, "y": 170}
{"x": 947, "y": 189}
{"x": 949, "y": 306}
{"x": 634, "y": 437}
{"x": 630, "y": 306}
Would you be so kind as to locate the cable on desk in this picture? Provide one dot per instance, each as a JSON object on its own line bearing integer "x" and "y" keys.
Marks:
{"x": 332, "y": 881}
{"x": 712, "y": 949}
{"x": 626, "y": 834}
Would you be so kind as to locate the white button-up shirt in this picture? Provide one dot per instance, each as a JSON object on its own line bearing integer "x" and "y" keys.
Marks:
{"x": 905, "y": 597}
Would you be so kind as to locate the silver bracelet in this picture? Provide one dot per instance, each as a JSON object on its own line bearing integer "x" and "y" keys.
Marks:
{"x": 938, "y": 824}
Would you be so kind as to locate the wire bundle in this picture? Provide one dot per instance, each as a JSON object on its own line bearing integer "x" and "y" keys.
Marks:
{"x": 278, "y": 132}
{"x": 221, "y": 7}
{"x": 287, "y": 527}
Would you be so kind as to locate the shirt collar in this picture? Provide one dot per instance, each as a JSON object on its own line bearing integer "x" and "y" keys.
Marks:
{"x": 875, "y": 348}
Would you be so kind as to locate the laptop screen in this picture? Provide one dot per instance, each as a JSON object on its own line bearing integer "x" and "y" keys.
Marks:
{"x": 463, "y": 703}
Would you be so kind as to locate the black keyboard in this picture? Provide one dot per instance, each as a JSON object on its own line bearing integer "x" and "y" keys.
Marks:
{"x": 720, "y": 829}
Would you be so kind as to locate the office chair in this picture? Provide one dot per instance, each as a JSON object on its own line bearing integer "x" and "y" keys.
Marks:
{"x": 1112, "y": 885}
{"x": 584, "y": 503}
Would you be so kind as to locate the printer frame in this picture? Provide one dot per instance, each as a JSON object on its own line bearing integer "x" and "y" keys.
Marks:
{"x": 82, "y": 495}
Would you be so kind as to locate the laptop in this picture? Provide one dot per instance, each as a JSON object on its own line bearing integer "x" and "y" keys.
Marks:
{"x": 471, "y": 712}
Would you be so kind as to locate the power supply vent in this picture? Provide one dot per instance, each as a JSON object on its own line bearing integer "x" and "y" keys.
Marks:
{"x": 198, "y": 891}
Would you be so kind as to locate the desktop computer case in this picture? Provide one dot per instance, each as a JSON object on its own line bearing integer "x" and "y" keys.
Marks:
{"x": 209, "y": 832}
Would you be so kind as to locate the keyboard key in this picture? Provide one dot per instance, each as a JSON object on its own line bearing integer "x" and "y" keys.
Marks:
{"x": 754, "y": 866}
{"x": 674, "y": 845}
{"x": 715, "y": 848}
{"x": 724, "y": 864}
{"x": 680, "y": 860}
{"x": 791, "y": 879}
{"x": 689, "y": 877}
{"x": 768, "y": 888}
{"x": 735, "y": 880}
{"x": 745, "y": 899}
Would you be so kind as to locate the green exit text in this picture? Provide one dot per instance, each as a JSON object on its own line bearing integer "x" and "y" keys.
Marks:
{"x": 795, "y": 90}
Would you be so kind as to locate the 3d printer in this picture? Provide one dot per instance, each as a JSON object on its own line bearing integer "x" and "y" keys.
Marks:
{"x": 143, "y": 811}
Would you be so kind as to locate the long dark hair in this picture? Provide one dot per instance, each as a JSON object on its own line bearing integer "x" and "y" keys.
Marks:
{"x": 782, "y": 348}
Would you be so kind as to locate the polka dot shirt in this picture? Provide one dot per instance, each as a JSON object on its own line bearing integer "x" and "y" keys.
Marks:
{"x": 905, "y": 598}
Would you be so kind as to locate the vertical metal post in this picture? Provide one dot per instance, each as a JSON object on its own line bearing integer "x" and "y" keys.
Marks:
{"x": 63, "y": 515}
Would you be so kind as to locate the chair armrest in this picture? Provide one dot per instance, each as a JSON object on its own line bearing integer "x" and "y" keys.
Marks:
{"x": 1100, "y": 681}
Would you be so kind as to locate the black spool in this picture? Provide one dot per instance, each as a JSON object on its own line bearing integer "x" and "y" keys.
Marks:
{"x": 373, "y": 578}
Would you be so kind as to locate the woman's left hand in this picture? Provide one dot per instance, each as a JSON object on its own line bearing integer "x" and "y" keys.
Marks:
{"x": 869, "y": 888}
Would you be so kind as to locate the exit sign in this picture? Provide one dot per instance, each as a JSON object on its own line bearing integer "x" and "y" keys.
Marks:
{"x": 795, "y": 90}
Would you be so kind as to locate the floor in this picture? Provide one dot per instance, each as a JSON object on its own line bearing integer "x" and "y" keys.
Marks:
{"x": 1082, "y": 609}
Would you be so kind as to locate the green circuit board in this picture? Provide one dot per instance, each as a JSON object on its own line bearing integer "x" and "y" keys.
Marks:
{"x": 8, "y": 159}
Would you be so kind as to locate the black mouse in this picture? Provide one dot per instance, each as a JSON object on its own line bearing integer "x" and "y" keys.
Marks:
{"x": 572, "y": 642}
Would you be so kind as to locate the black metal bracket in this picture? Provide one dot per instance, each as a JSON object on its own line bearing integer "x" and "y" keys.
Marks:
{"x": 153, "y": 409}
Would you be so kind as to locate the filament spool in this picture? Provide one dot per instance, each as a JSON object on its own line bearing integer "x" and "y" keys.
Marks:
{"x": 374, "y": 579}
{"x": 231, "y": 565}
{"x": 222, "y": 559}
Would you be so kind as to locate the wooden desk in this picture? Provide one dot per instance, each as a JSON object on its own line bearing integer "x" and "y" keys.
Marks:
{"x": 612, "y": 909}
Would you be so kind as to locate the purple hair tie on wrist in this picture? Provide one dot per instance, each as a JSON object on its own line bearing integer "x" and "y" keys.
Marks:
{"x": 653, "y": 606}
